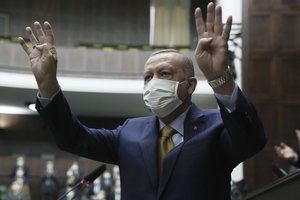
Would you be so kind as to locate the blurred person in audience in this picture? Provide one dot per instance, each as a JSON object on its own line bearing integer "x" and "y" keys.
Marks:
{"x": 180, "y": 152}
{"x": 287, "y": 153}
{"x": 96, "y": 191}
{"x": 73, "y": 176}
{"x": 49, "y": 181}
{"x": 19, "y": 189}
{"x": 20, "y": 163}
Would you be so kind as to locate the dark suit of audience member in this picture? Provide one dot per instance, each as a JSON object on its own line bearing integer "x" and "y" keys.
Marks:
{"x": 207, "y": 144}
{"x": 20, "y": 164}
{"x": 49, "y": 182}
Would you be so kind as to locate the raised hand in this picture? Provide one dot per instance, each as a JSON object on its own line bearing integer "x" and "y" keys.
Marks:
{"x": 211, "y": 52}
{"x": 43, "y": 58}
{"x": 285, "y": 152}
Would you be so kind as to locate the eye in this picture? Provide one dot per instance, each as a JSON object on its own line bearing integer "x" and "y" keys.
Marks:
{"x": 165, "y": 74}
{"x": 147, "y": 77}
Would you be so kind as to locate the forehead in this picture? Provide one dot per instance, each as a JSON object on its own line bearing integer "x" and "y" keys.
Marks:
{"x": 165, "y": 60}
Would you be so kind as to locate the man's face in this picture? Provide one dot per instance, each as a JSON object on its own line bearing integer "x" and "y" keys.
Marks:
{"x": 167, "y": 66}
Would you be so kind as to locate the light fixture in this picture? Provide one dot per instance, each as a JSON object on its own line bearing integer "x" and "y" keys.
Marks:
{"x": 31, "y": 107}
{"x": 5, "y": 109}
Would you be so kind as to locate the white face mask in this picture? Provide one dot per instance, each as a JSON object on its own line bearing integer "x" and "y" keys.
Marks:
{"x": 160, "y": 96}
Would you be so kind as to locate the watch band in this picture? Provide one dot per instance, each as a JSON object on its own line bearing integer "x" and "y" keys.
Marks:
{"x": 221, "y": 80}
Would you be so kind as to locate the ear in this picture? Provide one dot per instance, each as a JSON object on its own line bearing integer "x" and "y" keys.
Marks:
{"x": 192, "y": 85}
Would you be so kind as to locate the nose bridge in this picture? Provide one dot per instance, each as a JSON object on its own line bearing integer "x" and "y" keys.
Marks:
{"x": 155, "y": 75}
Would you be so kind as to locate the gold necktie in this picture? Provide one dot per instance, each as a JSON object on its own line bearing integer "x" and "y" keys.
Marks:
{"x": 165, "y": 143}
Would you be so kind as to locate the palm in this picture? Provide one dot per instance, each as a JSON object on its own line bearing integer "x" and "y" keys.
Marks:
{"x": 42, "y": 64}
{"x": 213, "y": 55}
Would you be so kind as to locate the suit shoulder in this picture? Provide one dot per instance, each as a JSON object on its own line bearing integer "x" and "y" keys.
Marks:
{"x": 140, "y": 120}
{"x": 213, "y": 113}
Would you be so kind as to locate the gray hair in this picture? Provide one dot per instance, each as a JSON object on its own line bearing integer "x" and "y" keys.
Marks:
{"x": 188, "y": 66}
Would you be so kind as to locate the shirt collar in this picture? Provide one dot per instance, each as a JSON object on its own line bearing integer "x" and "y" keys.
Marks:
{"x": 177, "y": 124}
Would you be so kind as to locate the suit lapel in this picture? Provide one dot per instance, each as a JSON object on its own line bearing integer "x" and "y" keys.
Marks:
{"x": 168, "y": 166}
{"x": 148, "y": 145}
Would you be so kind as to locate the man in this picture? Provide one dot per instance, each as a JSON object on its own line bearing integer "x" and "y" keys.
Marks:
{"x": 207, "y": 144}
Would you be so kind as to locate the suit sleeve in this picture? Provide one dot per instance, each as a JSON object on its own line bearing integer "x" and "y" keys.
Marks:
{"x": 72, "y": 136}
{"x": 244, "y": 135}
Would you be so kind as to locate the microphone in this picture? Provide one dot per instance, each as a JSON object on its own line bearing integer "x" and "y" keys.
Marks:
{"x": 94, "y": 174}
{"x": 279, "y": 172}
{"x": 87, "y": 180}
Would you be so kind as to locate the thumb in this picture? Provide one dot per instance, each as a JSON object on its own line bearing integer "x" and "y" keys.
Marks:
{"x": 44, "y": 48}
{"x": 203, "y": 44}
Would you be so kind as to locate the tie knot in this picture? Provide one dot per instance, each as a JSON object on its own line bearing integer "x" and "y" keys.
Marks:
{"x": 167, "y": 131}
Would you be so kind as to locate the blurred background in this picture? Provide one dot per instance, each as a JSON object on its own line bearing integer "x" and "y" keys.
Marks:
{"x": 102, "y": 47}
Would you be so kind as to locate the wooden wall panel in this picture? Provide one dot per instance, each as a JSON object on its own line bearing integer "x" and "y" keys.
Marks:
{"x": 259, "y": 72}
{"x": 290, "y": 74}
{"x": 290, "y": 120}
{"x": 263, "y": 5}
{"x": 259, "y": 28}
{"x": 290, "y": 30}
{"x": 271, "y": 71}
{"x": 269, "y": 118}
{"x": 290, "y": 4}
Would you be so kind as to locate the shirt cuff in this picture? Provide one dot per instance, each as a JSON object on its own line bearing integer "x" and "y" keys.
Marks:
{"x": 229, "y": 101}
{"x": 45, "y": 101}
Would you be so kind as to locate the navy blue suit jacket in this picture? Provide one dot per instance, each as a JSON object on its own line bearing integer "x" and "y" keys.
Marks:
{"x": 215, "y": 141}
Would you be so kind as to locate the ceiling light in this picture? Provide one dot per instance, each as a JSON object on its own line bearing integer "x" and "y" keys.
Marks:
{"x": 32, "y": 107}
{"x": 4, "y": 109}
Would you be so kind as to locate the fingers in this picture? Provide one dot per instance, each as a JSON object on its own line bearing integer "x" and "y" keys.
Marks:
{"x": 227, "y": 29}
{"x": 280, "y": 146}
{"x": 283, "y": 145}
{"x": 200, "y": 26}
{"x": 210, "y": 17}
{"x": 31, "y": 36}
{"x": 41, "y": 36}
{"x": 49, "y": 32}
{"x": 24, "y": 46}
{"x": 218, "y": 27}
{"x": 213, "y": 22}
{"x": 39, "y": 31}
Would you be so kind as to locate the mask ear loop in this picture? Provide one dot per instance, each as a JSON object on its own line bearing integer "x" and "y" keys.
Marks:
{"x": 182, "y": 99}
